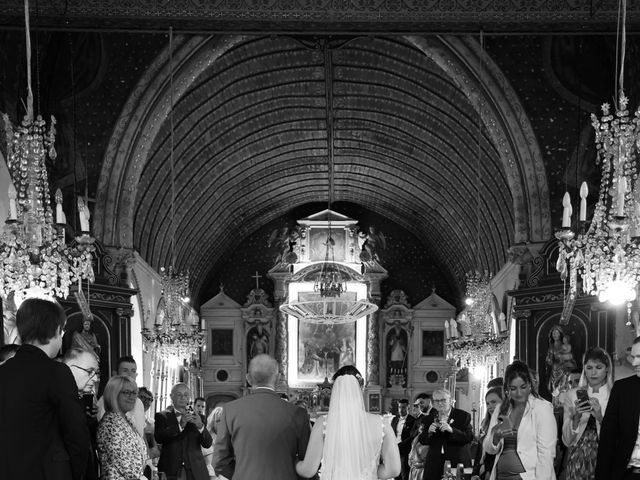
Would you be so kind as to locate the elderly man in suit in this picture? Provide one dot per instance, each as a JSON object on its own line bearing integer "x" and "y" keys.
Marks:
{"x": 261, "y": 436}
{"x": 182, "y": 433}
{"x": 619, "y": 447}
{"x": 402, "y": 425}
{"x": 43, "y": 431}
{"x": 448, "y": 436}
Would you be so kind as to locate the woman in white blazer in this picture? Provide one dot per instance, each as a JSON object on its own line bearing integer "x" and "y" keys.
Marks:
{"x": 583, "y": 416}
{"x": 523, "y": 430}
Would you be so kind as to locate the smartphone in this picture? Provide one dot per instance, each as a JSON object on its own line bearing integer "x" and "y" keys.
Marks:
{"x": 582, "y": 395}
{"x": 190, "y": 409}
{"x": 506, "y": 422}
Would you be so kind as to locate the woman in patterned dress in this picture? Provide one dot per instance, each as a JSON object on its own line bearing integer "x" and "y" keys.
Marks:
{"x": 121, "y": 449}
{"x": 582, "y": 419}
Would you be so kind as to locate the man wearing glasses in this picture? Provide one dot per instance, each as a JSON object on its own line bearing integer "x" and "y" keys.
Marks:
{"x": 84, "y": 368}
{"x": 448, "y": 436}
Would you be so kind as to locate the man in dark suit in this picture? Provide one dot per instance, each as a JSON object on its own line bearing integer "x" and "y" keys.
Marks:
{"x": 448, "y": 436}
{"x": 43, "y": 431}
{"x": 402, "y": 425}
{"x": 422, "y": 408}
{"x": 261, "y": 436}
{"x": 619, "y": 446}
{"x": 182, "y": 433}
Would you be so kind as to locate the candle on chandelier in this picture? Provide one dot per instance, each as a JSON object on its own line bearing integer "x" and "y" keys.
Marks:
{"x": 584, "y": 192}
{"x": 566, "y": 210}
{"x": 13, "y": 209}
{"x": 502, "y": 320}
{"x": 494, "y": 322}
{"x": 622, "y": 188}
{"x": 59, "y": 213}
{"x": 83, "y": 214}
{"x": 454, "y": 328}
{"x": 447, "y": 334}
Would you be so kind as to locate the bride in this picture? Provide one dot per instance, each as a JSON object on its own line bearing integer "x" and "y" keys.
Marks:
{"x": 350, "y": 443}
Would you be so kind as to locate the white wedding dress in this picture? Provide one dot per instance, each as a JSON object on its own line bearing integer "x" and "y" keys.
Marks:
{"x": 352, "y": 437}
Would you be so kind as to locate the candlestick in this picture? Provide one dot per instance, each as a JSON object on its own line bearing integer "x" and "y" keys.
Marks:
{"x": 584, "y": 192}
{"x": 13, "y": 210}
{"x": 622, "y": 188}
{"x": 566, "y": 210}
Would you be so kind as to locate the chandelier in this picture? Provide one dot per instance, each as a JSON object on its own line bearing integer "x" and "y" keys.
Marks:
{"x": 176, "y": 331}
{"x": 483, "y": 327}
{"x": 607, "y": 255}
{"x": 329, "y": 306}
{"x": 34, "y": 256}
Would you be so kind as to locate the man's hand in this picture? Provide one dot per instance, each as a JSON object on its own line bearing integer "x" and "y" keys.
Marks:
{"x": 183, "y": 420}
{"x": 433, "y": 427}
{"x": 196, "y": 420}
{"x": 445, "y": 427}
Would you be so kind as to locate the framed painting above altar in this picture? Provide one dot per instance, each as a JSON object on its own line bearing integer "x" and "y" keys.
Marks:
{"x": 323, "y": 349}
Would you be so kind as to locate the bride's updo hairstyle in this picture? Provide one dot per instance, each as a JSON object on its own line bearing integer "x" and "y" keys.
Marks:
{"x": 349, "y": 370}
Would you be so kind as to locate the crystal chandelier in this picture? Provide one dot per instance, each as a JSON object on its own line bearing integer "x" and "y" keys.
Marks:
{"x": 177, "y": 331}
{"x": 607, "y": 255}
{"x": 484, "y": 336}
{"x": 35, "y": 260}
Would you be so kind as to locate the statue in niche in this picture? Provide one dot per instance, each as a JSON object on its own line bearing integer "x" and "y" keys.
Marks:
{"x": 85, "y": 339}
{"x": 372, "y": 244}
{"x": 397, "y": 355}
{"x": 258, "y": 341}
{"x": 559, "y": 359}
{"x": 283, "y": 241}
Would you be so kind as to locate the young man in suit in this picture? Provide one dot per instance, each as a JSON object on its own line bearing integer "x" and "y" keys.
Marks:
{"x": 448, "y": 436}
{"x": 402, "y": 425}
{"x": 619, "y": 445}
{"x": 182, "y": 433}
{"x": 43, "y": 431}
{"x": 261, "y": 436}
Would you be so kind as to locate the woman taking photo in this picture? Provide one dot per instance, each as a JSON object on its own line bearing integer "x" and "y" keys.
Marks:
{"x": 583, "y": 411}
{"x": 483, "y": 463}
{"x": 351, "y": 443}
{"x": 523, "y": 431}
{"x": 121, "y": 449}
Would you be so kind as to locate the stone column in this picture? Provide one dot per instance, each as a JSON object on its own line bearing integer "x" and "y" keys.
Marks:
{"x": 373, "y": 346}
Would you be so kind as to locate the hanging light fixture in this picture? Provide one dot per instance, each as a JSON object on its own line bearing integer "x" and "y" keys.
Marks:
{"x": 35, "y": 259}
{"x": 607, "y": 255}
{"x": 176, "y": 332}
{"x": 331, "y": 307}
{"x": 483, "y": 327}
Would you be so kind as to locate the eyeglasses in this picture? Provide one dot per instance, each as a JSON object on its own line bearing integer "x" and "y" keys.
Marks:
{"x": 89, "y": 371}
{"x": 129, "y": 393}
{"x": 440, "y": 400}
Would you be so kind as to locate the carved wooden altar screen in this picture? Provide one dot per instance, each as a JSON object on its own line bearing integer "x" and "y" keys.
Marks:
{"x": 537, "y": 311}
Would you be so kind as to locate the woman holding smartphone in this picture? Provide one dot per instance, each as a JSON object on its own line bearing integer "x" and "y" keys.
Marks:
{"x": 522, "y": 433}
{"x": 583, "y": 411}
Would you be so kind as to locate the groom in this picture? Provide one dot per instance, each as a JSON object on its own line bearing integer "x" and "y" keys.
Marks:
{"x": 261, "y": 436}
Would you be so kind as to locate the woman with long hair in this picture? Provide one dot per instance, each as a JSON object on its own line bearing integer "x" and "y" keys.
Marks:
{"x": 350, "y": 443}
{"x": 212, "y": 426}
{"x": 121, "y": 449}
{"x": 583, "y": 412}
{"x": 523, "y": 431}
{"x": 483, "y": 463}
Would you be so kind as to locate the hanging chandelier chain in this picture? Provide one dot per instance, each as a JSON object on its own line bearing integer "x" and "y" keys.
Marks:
{"x": 171, "y": 162}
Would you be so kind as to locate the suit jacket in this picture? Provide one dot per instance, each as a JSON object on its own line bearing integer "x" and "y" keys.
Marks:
{"x": 181, "y": 448}
{"x": 619, "y": 429}
{"x": 421, "y": 420}
{"x": 260, "y": 436}
{"x": 43, "y": 430}
{"x": 405, "y": 436}
{"x": 452, "y": 446}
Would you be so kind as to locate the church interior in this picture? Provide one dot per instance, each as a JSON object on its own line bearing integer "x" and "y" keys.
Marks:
{"x": 392, "y": 185}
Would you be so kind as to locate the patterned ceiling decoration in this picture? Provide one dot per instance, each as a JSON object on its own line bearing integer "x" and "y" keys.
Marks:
{"x": 323, "y": 16}
{"x": 251, "y": 145}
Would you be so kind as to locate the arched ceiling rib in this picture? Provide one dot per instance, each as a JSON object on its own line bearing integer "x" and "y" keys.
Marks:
{"x": 251, "y": 144}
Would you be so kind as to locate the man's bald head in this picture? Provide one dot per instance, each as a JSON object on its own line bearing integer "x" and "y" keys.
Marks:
{"x": 263, "y": 371}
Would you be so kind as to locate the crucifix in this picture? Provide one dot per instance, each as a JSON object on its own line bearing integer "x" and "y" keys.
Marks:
{"x": 257, "y": 277}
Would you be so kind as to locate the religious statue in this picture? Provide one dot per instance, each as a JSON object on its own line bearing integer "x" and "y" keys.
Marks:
{"x": 559, "y": 358}
{"x": 9, "y": 320}
{"x": 397, "y": 355}
{"x": 85, "y": 339}
{"x": 284, "y": 241}
{"x": 259, "y": 341}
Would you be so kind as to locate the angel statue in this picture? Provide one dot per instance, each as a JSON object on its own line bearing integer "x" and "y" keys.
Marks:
{"x": 371, "y": 245}
{"x": 283, "y": 241}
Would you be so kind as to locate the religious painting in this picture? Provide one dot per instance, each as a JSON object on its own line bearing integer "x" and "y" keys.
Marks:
{"x": 221, "y": 341}
{"x": 432, "y": 343}
{"x": 318, "y": 244}
{"x": 323, "y": 349}
{"x": 560, "y": 350}
{"x": 257, "y": 341}
{"x": 397, "y": 342}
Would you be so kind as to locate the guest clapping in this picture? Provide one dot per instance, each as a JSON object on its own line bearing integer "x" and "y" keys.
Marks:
{"x": 121, "y": 449}
{"x": 522, "y": 431}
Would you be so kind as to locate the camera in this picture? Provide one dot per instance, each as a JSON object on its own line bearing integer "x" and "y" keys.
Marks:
{"x": 190, "y": 409}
